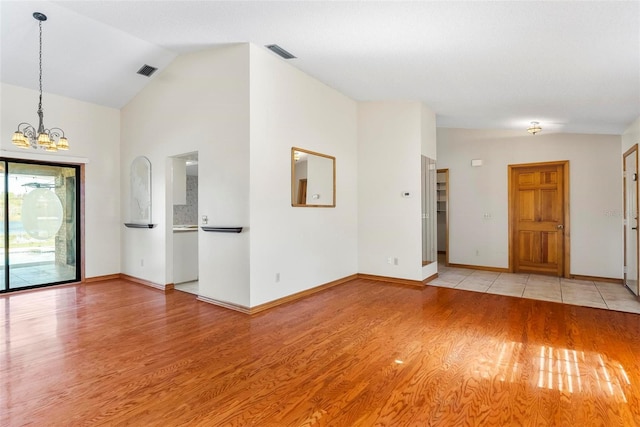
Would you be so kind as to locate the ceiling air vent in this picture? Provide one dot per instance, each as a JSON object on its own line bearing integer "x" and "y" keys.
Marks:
{"x": 279, "y": 51}
{"x": 147, "y": 70}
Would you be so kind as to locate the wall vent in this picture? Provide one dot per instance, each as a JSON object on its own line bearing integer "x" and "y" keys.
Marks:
{"x": 147, "y": 70}
{"x": 279, "y": 51}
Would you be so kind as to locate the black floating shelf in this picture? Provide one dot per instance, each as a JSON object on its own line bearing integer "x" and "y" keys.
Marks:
{"x": 222, "y": 229}
{"x": 136, "y": 225}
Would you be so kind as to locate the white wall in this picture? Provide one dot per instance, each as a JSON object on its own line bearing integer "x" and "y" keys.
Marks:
{"x": 428, "y": 133}
{"x": 94, "y": 136}
{"x": 391, "y": 139}
{"x": 200, "y": 102}
{"x": 308, "y": 247}
{"x": 595, "y": 194}
{"x": 631, "y": 136}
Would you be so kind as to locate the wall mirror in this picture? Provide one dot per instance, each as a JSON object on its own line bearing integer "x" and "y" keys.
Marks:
{"x": 313, "y": 179}
{"x": 429, "y": 227}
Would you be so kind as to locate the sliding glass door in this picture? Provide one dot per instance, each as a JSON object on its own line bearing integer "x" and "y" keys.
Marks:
{"x": 4, "y": 229}
{"x": 40, "y": 227}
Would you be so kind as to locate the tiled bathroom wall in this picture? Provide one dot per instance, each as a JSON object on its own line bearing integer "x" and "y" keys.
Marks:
{"x": 188, "y": 214}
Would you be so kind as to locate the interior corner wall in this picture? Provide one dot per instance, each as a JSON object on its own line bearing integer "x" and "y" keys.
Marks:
{"x": 296, "y": 248}
{"x": 428, "y": 145}
{"x": 631, "y": 136}
{"x": 478, "y": 196}
{"x": 389, "y": 163}
{"x": 94, "y": 136}
{"x": 199, "y": 103}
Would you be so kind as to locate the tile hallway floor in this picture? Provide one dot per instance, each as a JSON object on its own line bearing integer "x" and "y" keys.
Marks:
{"x": 189, "y": 287}
{"x": 586, "y": 293}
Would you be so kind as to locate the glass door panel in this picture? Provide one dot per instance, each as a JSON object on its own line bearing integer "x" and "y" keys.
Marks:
{"x": 631, "y": 220}
{"x": 3, "y": 228}
{"x": 42, "y": 227}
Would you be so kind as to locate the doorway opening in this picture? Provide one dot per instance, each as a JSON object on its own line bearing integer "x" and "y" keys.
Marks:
{"x": 302, "y": 191}
{"x": 630, "y": 191}
{"x": 442, "y": 191}
{"x": 539, "y": 218}
{"x": 40, "y": 212}
{"x": 184, "y": 211}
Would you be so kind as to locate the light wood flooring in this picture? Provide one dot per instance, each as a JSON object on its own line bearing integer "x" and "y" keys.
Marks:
{"x": 363, "y": 353}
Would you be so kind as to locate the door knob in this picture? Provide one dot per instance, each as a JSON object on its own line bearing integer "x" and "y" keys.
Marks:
{"x": 560, "y": 226}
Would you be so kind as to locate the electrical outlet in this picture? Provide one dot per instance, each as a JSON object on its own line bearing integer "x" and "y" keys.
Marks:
{"x": 141, "y": 262}
{"x": 277, "y": 277}
{"x": 477, "y": 252}
{"x": 390, "y": 260}
{"x": 395, "y": 261}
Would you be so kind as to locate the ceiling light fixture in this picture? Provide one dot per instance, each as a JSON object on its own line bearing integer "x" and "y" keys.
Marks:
{"x": 27, "y": 136}
{"x": 534, "y": 128}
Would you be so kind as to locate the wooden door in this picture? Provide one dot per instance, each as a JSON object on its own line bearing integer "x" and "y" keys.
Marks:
{"x": 537, "y": 213}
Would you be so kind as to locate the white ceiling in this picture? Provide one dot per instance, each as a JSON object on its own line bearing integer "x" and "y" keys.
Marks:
{"x": 574, "y": 66}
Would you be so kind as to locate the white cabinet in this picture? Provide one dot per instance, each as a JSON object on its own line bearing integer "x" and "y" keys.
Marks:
{"x": 185, "y": 256}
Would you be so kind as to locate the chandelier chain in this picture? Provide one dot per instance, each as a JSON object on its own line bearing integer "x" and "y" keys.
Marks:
{"x": 40, "y": 68}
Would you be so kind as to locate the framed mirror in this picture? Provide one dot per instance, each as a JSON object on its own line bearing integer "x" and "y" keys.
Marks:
{"x": 313, "y": 179}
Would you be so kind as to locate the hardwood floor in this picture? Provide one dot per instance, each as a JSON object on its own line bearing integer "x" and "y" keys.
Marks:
{"x": 360, "y": 354}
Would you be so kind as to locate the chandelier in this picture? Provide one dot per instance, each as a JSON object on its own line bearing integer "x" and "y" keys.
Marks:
{"x": 27, "y": 136}
{"x": 534, "y": 128}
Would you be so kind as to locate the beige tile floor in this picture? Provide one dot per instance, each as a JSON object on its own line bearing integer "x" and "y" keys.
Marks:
{"x": 189, "y": 287}
{"x": 586, "y": 293}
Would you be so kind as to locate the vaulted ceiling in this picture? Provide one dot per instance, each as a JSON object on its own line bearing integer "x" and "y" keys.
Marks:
{"x": 574, "y": 66}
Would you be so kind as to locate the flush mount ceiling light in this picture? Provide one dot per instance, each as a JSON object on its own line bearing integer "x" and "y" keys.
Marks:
{"x": 534, "y": 128}
{"x": 27, "y": 136}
